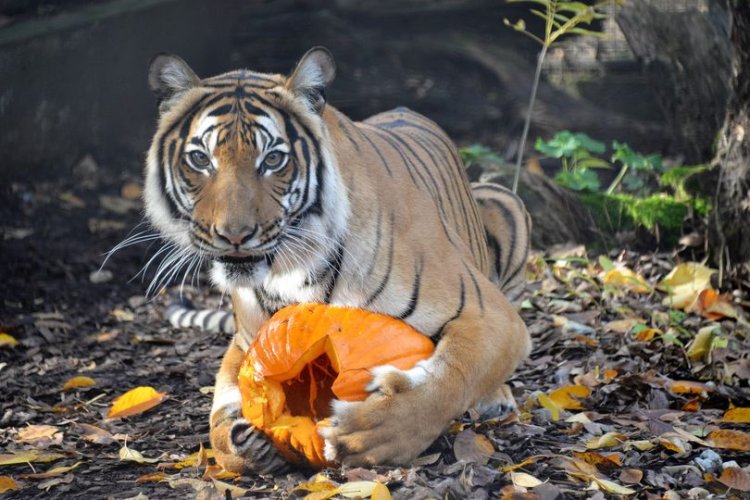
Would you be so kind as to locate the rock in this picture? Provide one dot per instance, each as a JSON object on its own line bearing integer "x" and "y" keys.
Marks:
{"x": 100, "y": 276}
{"x": 709, "y": 461}
{"x": 86, "y": 172}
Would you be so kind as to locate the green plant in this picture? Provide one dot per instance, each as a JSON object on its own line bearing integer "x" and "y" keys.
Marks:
{"x": 636, "y": 165}
{"x": 560, "y": 18}
{"x": 576, "y": 152}
{"x": 477, "y": 152}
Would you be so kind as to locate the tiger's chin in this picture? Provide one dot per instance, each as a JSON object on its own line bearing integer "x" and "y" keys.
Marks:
{"x": 229, "y": 273}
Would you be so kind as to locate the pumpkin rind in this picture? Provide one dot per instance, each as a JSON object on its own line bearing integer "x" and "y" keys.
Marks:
{"x": 354, "y": 340}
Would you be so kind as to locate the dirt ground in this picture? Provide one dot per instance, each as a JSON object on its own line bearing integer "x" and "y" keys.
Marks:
{"x": 637, "y": 426}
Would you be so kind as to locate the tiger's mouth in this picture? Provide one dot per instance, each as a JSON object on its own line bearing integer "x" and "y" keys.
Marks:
{"x": 245, "y": 259}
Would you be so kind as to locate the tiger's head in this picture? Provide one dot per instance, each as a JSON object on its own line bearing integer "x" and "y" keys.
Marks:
{"x": 240, "y": 164}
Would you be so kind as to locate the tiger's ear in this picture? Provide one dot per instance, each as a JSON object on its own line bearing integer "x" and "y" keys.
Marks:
{"x": 169, "y": 76}
{"x": 313, "y": 74}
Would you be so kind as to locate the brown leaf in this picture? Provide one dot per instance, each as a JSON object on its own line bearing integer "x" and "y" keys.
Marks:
{"x": 154, "y": 477}
{"x": 711, "y": 305}
{"x": 622, "y": 325}
{"x": 7, "y": 483}
{"x": 606, "y": 463}
{"x": 735, "y": 478}
{"x": 472, "y": 447}
{"x": 631, "y": 476}
{"x": 131, "y": 191}
{"x": 94, "y": 434}
{"x": 689, "y": 387}
{"x": 135, "y": 401}
{"x": 729, "y": 440}
{"x": 40, "y": 436}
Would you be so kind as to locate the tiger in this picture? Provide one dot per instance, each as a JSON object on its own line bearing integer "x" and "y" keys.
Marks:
{"x": 292, "y": 202}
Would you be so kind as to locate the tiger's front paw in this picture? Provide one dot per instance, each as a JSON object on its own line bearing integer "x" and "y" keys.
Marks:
{"x": 241, "y": 448}
{"x": 402, "y": 416}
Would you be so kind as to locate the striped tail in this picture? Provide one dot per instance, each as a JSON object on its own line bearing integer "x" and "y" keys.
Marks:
{"x": 182, "y": 314}
{"x": 508, "y": 228}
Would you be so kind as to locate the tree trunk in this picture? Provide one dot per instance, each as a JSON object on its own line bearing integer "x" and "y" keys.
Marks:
{"x": 729, "y": 235}
{"x": 685, "y": 52}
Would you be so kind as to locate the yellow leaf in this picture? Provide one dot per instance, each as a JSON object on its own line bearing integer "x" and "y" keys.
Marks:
{"x": 647, "y": 334}
{"x": 380, "y": 492}
{"x": 7, "y": 340}
{"x": 613, "y": 487}
{"x": 674, "y": 444}
{"x": 550, "y": 405}
{"x": 689, "y": 387}
{"x": 608, "y": 440}
{"x": 57, "y": 471}
{"x": 566, "y": 398}
{"x": 25, "y": 457}
{"x": 737, "y": 416}
{"x": 603, "y": 462}
{"x": 701, "y": 344}
{"x": 356, "y": 489}
{"x": 625, "y": 278}
{"x": 642, "y": 445}
{"x": 685, "y": 283}
{"x": 78, "y": 383}
{"x": 127, "y": 454}
{"x": 524, "y": 480}
{"x": 622, "y": 325}
{"x": 729, "y": 440}
{"x": 136, "y": 401}
{"x": 527, "y": 461}
{"x": 7, "y": 484}
{"x": 223, "y": 487}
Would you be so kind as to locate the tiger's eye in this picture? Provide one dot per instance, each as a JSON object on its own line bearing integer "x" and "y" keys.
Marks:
{"x": 199, "y": 159}
{"x": 273, "y": 160}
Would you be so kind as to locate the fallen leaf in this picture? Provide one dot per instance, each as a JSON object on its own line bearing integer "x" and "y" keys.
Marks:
{"x": 7, "y": 483}
{"x": 229, "y": 490}
{"x": 646, "y": 334}
{"x": 737, "y": 416}
{"x": 524, "y": 480}
{"x": 380, "y": 492}
{"x": 613, "y": 487}
{"x": 7, "y": 340}
{"x": 128, "y": 454}
{"x": 40, "y": 435}
{"x": 685, "y": 283}
{"x": 729, "y": 440}
{"x": 94, "y": 434}
{"x": 54, "y": 472}
{"x": 631, "y": 476}
{"x": 567, "y": 397}
{"x": 355, "y": 489}
{"x": 123, "y": 315}
{"x": 196, "y": 459}
{"x": 735, "y": 478}
{"x": 218, "y": 472}
{"x": 72, "y": 200}
{"x": 524, "y": 463}
{"x": 135, "y": 401}
{"x": 78, "y": 383}
{"x": 689, "y": 387}
{"x": 674, "y": 443}
{"x": 131, "y": 191}
{"x": 472, "y": 447}
{"x": 605, "y": 463}
{"x": 319, "y": 482}
{"x": 641, "y": 445}
{"x": 701, "y": 344}
{"x": 692, "y": 405}
{"x": 622, "y": 325}
{"x": 155, "y": 477}
{"x": 47, "y": 484}
{"x": 714, "y": 306}
{"x": 607, "y": 440}
{"x": 550, "y": 405}
{"x": 625, "y": 278}
{"x": 29, "y": 456}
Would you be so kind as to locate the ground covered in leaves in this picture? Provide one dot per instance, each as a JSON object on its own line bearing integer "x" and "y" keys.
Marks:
{"x": 636, "y": 386}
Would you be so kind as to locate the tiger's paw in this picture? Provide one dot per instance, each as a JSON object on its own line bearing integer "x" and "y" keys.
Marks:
{"x": 248, "y": 450}
{"x": 500, "y": 405}
{"x": 400, "y": 419}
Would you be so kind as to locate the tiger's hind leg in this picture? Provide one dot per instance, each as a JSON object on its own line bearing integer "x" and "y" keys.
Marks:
{"x": 508, "y": 229}
{"x": 500, "y": 405}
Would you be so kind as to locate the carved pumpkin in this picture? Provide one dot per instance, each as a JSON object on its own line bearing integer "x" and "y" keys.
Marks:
{"x": 308, "y": 354}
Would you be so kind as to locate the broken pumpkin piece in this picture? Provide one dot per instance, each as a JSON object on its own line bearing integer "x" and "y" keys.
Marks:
{"x": 305, "y": 356}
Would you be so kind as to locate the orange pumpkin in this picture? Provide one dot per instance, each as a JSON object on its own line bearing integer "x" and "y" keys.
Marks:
{"x": 308, "y": 354}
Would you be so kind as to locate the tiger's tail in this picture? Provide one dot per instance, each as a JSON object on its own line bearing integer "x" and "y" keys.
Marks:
{"x": 182, "y": 314}
{"x": 505, "y": 220}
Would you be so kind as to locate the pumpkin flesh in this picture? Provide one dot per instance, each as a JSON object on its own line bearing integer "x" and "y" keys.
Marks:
{"x": 308, "y": 354}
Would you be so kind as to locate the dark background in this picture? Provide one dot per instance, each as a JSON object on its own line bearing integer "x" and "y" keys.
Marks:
{"x": 73, "y": 74}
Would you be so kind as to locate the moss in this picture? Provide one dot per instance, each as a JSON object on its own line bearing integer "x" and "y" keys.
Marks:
{"x": 619, "y": 212}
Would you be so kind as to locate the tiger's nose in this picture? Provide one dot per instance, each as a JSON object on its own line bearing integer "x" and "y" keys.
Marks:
{"x": 235, "y": 235}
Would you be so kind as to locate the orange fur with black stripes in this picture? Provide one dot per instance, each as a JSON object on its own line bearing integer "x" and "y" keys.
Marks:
{"x": 294, "y": 202}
